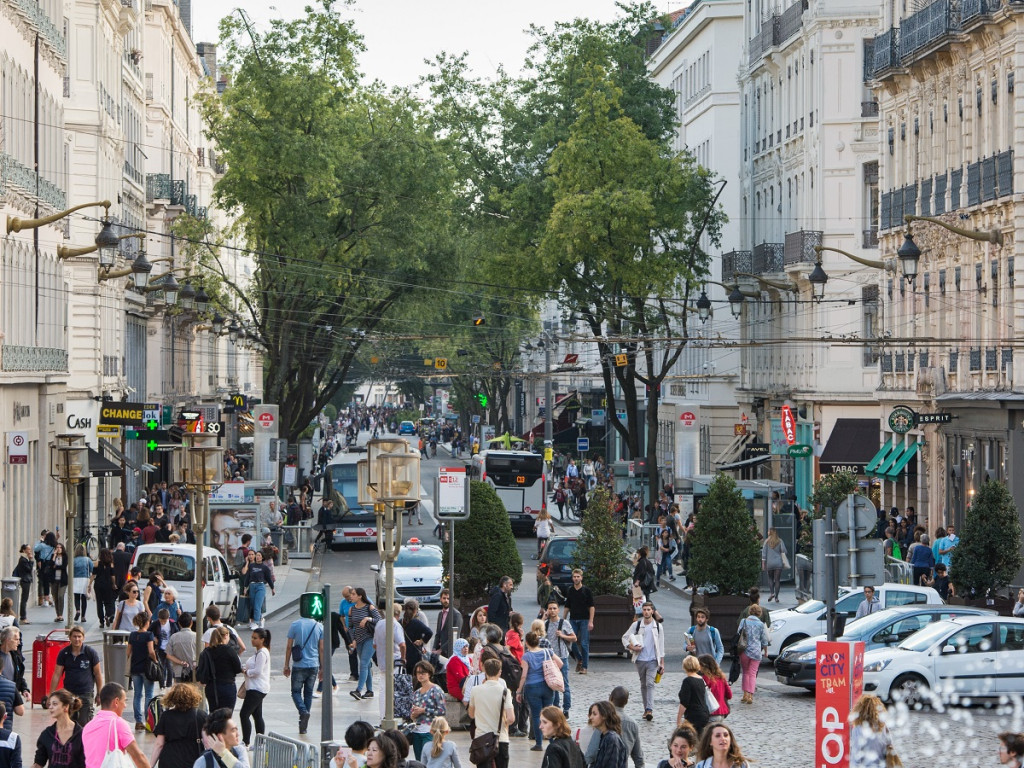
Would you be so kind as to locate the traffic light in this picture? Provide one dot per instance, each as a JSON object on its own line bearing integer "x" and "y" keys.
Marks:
{"x": 311, "y": 606}
{"x": 479, "y": 320}
{"x": 482, "y": 399}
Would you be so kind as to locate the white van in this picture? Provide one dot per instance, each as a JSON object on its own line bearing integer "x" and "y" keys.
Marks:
{"x": 177, "y": 564}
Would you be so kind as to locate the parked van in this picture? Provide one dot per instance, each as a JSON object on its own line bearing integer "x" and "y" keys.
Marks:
{"x": 177, "y": 564}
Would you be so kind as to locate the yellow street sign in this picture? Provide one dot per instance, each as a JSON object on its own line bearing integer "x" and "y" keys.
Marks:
{"x": 621, "y": 359}
{"x": 440, "y": 363}
{"x": 108, "y": 430}
{"x": 428, "y": 361}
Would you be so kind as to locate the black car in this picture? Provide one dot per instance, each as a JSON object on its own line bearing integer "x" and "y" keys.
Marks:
{"x": 796, "y": 664}
{"x": 556, "y": 559}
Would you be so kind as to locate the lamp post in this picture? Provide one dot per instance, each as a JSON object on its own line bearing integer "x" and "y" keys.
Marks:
{"x": 69, "y": 466}
{"x": 392, "y": 479}
{"x": 201, "y": 465}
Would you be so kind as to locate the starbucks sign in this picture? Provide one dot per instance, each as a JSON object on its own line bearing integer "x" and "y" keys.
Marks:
{"x": 902, "y": 419}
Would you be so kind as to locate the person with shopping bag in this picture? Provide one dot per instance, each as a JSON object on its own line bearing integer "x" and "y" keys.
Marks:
{"x": 490, "y": 705}
{"x": 542, "y": 677}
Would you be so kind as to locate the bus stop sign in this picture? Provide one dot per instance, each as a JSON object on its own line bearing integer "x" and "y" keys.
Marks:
{"x": 450, "y": 494}
{"x": 582, "y": 444}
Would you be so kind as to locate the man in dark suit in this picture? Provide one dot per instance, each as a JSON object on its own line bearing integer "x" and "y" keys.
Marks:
{"x": 449, "y": 620}
{"x": 500, "y": 605}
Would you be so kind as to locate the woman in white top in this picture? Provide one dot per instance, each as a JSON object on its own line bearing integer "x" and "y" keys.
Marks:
{"x": 543, "y": 528}
{"x": 256, "y": 685}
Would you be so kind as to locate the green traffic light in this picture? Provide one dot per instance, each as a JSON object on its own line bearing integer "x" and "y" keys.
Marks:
{"x": 311, "y": 606}
{"x": 482, "y": 399}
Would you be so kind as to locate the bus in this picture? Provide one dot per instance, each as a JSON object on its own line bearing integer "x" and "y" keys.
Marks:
{"x": 350, "y": 523}
{"x": 519, "y": 480}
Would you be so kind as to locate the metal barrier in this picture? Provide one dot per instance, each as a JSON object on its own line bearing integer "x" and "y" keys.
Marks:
{"x": 306, "y": 755}
{"x": 273, "y": 751}
{"x": 898, "y": 571}
{"x": 640, "y": 534}
{"x": 297, "y": 540}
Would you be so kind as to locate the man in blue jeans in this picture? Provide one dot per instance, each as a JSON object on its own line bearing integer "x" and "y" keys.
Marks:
{"x": 302, "y": 663}
{"x": 579, "y": 610}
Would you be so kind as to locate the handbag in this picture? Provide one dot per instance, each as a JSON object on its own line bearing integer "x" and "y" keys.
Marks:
{"x": 552, "y": 673}
{"x": 711, "y": 701}
{"x": 741, "y": 638}
{"x": 785, "y": 561}
{"x": 485, "y": 746}
{"x": 154, "y": 671}
{"x": 116, "y": 758}
{"x": 892, "y": 760}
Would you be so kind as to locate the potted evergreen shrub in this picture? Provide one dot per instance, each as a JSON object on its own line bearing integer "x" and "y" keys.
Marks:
{"x": 485, "y": 550}
{"x": 724, "y": 554}
{"x": 988, "y": 557}
{"x": 602, "y": 558}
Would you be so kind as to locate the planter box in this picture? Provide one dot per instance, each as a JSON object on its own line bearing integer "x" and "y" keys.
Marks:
{"x": 612, "y": 615}
{"x": 1002, "y": 605}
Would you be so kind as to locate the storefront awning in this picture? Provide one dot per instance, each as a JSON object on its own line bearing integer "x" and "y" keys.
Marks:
{"x": 908, "y": 452}
{"x": 733, "y": 450}
{"x": 745, "y": 463}
{"x": 879, "y": 458}
{"x": 101, "y": 466}
{"x": 114, "y": 451}
{"x": 850, "y": 446}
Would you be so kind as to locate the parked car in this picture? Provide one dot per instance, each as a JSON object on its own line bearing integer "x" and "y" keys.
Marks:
{"x": 797, "y": 664}
{"x": 951, "y": 662}
{"x": 419, "y": 573}
{"x": 556, "y": 559}
{"x": 808, "y": 619}
{"x": 177, "y": 563}
{"x": 407, "y": 428}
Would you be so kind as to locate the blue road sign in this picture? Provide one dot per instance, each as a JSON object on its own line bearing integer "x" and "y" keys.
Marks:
{"x": 582, "y": 444}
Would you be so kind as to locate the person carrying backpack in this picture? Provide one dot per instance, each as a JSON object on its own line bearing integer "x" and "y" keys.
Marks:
{"x": 644, "y": 574}
{"x": 645, "y": 640}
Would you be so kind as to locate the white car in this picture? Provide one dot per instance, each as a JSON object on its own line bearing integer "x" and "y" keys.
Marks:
{"x": 176, "y": 562}
{"x": 950, "y": 661}
{"x": 418, "y": 573}
{"x": 808, "y": 619}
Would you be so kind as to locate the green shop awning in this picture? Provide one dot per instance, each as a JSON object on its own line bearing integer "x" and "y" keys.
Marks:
{"x": 894, "y": 472}
{"x": 879, "y": 458}
{"x": 890, "y": 461}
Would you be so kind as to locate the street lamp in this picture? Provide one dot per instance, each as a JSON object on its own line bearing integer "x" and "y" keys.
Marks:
{"x": 736, "y": 302}
{"x": 909, "y": 255}
{"x": 202, "y": 300}
{"x": 703, "y": 306}
{"x": 107, "y": 243}
{"x": 69, "y": 466}
{"x": 187, "y": 295}
{"x": 201, "y": 465}
{"x": 817, "y": 279}
{"x": 233, "y": 331}
{"x": 391, "y": 479}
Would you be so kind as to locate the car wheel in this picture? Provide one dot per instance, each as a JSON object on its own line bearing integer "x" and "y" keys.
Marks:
{"x": 911, "y": 690}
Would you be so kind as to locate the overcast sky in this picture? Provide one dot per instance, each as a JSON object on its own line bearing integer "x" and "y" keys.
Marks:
{"x": 400, "y": 34}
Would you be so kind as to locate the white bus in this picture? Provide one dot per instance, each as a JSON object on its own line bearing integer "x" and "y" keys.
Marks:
{"x": 350, "y": 523}
{"x": 519, "y": 480}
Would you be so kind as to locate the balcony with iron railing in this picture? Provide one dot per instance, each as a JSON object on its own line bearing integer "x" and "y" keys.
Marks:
{"x": 776, "y": 30}
{"x": 799, "y": 247}
{"x": 767, "y": 258}
{"x": 733, "y": 262}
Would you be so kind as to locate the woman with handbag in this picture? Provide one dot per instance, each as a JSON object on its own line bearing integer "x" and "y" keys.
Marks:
{"x": 141, "y": 650}
{"x": 256, "y": 685}
{"x": 536, "y": 684}
{"x": 714, "y": 679}
{"x": 870, "y": 741}
{"x": 752, "y": 644}
{"x": 693, "y": 703}
{"x": 774, "y": 559}
{"x": 82, "y": 582}
{"x": 428, "y": 702}
{"x": 179, "y": 731}
{"x": 220, "y": 670}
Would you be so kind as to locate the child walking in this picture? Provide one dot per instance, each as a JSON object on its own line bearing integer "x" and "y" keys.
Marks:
{"x": 543, "y": 528}
{"x": 440, "y": 753}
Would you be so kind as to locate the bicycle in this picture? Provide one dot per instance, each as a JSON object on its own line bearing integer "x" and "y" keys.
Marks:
{"x": 92, "y": 543}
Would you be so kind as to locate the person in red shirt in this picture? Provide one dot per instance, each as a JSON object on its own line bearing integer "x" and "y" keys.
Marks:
{"x": 514, "y": 636}
{"x": 457, "y": 669}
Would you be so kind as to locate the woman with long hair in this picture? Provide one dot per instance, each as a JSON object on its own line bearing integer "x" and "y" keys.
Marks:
{"x": 361, "y": 617}
{"x": 428, "y": 702}
{"x": 104, "y": 584}
{"x": 130, "y": 607}
{"x": 772, "y": 552}
{"x": 477, "y": 620}
{"x": 417, "y": 634}
{"x": 221, "y": 691}
{"x": 533, "y": 688}
{"x": 611, "y": 751}
{"x": 60, "y": 745}
{"x": 514, "y": 636}
{"x": 869, "y": 736}
{"x": 718, "y": 748}
{"x": 59, "y": 565}
{"x": 643, "y": 573}
{"x": 81, "y": 582}
{"x": 141, "y": 650}
{"x": 257, "y": 684}
{"x": 562, "y": 751}
{"x": 755, "y": 636}
{"x": 179, "y": 730}
{"x": 715, "y": 680}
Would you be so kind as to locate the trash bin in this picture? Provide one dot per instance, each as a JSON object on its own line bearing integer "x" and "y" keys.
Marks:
{"x": 115, "y": 656}
{"x": 10, "y": 589}
{"x": 44, "y": 660}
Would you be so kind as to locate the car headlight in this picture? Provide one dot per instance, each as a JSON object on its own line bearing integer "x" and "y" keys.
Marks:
{"x": 877, "y": 666}
{"x": 806, "y": 656}
{"x": 777, "y": 625}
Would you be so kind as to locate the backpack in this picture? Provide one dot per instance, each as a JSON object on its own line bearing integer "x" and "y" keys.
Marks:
{"x": 154, "y": 711}
{"x": 233, "y": 642}
{"x": 403, "y": 694}
{"x": 647, "y": 581}
{"x": 511, "y": 669}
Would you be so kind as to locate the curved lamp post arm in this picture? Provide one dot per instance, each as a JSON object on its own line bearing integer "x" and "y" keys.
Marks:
{"x": 63, "y": 252}
{"x": 732, "y": 287}
{"x": 770, "y": 283}
{"x": 994, "y": 236}
{"x": 15, "y": 224}
{"x": 889, "y": 265}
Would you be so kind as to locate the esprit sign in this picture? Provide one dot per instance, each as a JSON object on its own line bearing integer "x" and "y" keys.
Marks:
{"x": 840, "y": 682}
{"x": 788, "y": 425}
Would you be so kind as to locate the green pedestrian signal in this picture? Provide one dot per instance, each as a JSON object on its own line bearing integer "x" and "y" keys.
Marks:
{"x": 311, "y": 606}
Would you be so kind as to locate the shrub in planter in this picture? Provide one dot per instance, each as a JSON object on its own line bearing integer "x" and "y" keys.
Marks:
{"x": 724, "y": 550}
{"x": 485, "y": 549}
{"x": 988, "y": 557}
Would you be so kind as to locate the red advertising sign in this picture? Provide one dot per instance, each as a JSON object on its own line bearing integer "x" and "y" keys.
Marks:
{"x": 688, "y": 418}
{"x": 571, "y": 359}
{"x": 840, "y": 682}
{"x": 266, "y": 419}
{"x": 788, "y": 425}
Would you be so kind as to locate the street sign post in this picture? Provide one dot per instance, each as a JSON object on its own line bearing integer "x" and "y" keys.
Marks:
{"x": 450, "y": 494}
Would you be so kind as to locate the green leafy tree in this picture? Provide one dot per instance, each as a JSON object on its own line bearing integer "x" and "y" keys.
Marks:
{"x": 341, "y": 192}
{"x": 599, "y": 553}
{"x": 485, "y": 549}
{"x": 988, "y": 557}
{"x": 724, "y": 550}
